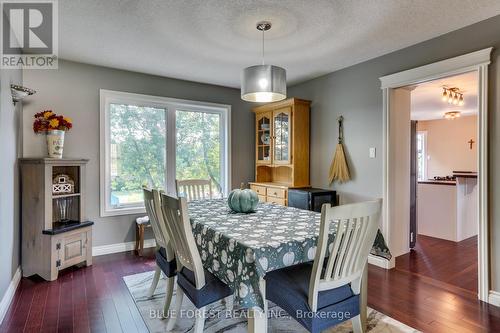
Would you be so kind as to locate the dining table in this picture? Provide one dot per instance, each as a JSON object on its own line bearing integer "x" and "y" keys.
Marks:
{"x": 241, "y": 248}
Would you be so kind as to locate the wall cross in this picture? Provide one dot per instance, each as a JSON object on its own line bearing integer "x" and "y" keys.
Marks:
{"x": 470, "y": 142}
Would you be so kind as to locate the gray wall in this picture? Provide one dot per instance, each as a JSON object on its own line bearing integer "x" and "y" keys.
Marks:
{"x": 73, "y": 90}
{"x": 10, "y": 142}
{"x": 355, "y": 93}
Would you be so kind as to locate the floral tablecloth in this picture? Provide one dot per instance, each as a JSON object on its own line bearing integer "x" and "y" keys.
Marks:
{"x": 240, "y": 248}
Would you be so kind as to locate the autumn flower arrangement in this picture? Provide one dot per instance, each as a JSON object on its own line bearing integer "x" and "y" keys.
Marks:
{"x": 49, "y": 121}
{"x": 54, "y": 126}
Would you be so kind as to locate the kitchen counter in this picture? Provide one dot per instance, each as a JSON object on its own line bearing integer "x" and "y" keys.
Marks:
{"x": 438, "y": 182}
{"x": 464, "y": 174}
{"x": 449, "y": 211}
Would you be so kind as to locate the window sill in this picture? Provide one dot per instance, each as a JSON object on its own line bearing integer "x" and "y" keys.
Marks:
{"x": 122, "y": 211}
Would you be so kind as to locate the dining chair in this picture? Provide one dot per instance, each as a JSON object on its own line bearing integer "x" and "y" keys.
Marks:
{"x": 327, "y": 292}
{"x": 194, "y": 189}
{"x": 198, "y": 284}
{"x": 165, "y": 257}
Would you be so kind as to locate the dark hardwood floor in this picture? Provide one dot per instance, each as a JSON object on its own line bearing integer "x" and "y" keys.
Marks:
{"x": 95, "y": 299}
{"x": 89, "y": 299}
{"x": 454, "y": 263}
{"x": 429, "y": 305}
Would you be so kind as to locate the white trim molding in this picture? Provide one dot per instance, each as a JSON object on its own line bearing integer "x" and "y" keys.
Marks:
{"x": 452, "y": 66}
{"x": 494, "y": 298}
{"x": 9, "y": 294}
{"x": 120, "y": 247}
{"x": 478, "y": 62}
{"x": 381, "y": 262}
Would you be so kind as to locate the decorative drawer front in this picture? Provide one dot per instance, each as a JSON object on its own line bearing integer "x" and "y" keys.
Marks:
{"x": 278, "y": 201}
{"x": 262, "y": 198}
{"x": 276, "y": 192}
{"x": 261, "y": 190}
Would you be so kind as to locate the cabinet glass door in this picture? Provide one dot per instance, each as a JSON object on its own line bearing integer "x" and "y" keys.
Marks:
{"x": 281, "y": 135}
{"x": 264, "y": 138}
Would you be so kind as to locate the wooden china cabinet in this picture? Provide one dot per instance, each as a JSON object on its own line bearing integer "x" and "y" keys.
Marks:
{"x": 281, "y": 148}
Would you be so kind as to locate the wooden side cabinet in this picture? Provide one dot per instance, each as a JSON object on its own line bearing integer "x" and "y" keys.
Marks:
{"x": 282, "y": 149}
{"x": 55, "y": 231}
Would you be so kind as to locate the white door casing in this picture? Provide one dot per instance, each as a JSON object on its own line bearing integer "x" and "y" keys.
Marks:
{"x": 478, "y": 62}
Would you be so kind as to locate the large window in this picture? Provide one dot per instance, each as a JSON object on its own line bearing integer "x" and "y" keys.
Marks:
{"x": 148, "y": 140}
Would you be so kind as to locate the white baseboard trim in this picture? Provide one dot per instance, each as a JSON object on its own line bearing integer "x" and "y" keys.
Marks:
{"x": 119, "y": 247}
{"x": 9, "y": 294}
{"x": 381, "y": 262}
{"x": 494, "y": 298}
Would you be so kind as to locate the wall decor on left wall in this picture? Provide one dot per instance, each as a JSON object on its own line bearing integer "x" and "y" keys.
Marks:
{"x": 19, "y": 92}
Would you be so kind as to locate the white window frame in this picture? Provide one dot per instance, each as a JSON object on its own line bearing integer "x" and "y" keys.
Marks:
{"x": 170, "y": 105}
{"x": 425, "y": 155}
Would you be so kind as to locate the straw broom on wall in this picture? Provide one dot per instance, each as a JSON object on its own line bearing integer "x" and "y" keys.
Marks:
{"x": 339, "y": 169}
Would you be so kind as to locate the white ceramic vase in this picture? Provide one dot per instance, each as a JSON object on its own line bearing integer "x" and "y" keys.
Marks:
{"x": 55, "y": 143}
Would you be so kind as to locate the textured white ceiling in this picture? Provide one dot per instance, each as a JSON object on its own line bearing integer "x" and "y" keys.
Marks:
{"x": 212, "y": 40}
{"x": 426, "y": 103}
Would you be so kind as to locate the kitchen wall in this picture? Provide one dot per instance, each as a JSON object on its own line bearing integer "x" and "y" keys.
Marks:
{"x": 355, "y": 93}
{"x": 9, "y": 180}
{"x": 73, "y": 90}
{"x": 447, "y": 145}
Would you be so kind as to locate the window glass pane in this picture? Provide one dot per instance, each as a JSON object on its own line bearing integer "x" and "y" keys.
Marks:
{"x": 198, "y": 152}
{"x": 421, "y": 156}
{"x": 137, "y": 152}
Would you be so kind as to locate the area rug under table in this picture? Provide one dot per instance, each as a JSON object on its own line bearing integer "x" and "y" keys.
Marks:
{"x": 219, "y": 320}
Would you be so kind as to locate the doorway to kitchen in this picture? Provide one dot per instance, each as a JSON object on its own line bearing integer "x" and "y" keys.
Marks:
{"x": 397, "y": 90}
{"x": 443, "y": 181}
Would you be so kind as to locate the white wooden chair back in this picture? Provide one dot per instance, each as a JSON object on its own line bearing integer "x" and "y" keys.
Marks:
{"x": 355, "y": 234}
{"x": 194, "y": 189}
{"x": 175, "y": 213}
{"x": 153, "y": 209}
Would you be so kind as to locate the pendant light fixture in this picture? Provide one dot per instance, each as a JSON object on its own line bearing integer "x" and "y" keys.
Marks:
{"x": 453, "y": 96}
{"x": 263, "y": 83}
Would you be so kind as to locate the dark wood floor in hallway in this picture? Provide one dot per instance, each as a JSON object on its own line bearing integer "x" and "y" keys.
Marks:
{"x": 95, "y": 299}
{"x": 446, "y": 261}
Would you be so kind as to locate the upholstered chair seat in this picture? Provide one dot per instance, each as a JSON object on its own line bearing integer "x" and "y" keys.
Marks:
{"x": 289, "y": 289}
{"x": 213, "y": 290}
{"x": 168, "y": 268}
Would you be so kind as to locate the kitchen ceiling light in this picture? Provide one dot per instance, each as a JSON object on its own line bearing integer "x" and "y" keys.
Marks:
{"x": 263, "y": 83}
{"x": 452, "y": 115}
{"x": 453, "y": 96}
{"x": 461, "y": 100}
{"x": 445, "y": 95}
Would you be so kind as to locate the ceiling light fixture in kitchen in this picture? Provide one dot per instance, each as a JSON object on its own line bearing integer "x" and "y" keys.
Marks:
{"x": 453, "y": 96}
{"x": 452, "y": 115}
